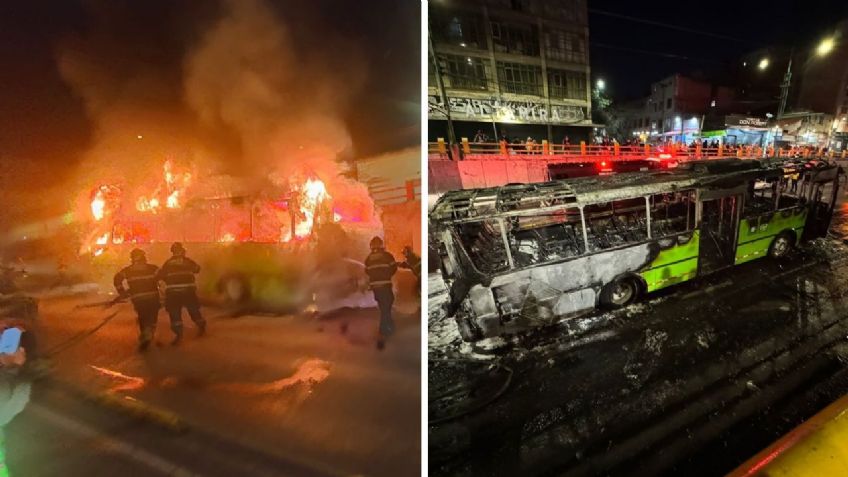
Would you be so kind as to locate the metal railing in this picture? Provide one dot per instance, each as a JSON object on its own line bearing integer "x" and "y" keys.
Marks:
{"x": 467, "y": 150}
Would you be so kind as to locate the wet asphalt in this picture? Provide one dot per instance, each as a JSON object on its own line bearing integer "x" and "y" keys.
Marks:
{"x": 258, "y": 395}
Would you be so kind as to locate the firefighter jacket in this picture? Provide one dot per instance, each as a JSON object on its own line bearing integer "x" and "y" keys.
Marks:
{"x": 142, "y": 282}
{"x": 380, "y": 265}
{"x": 413, "y": 262}
{"x": 178, "y": 274}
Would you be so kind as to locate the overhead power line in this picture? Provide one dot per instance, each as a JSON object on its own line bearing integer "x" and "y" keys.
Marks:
{"x": 666, "y": 25}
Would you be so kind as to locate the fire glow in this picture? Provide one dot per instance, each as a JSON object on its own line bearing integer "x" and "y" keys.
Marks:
{"x": 98, "y": 205}
{"x": 174, "y": 187}
{"x": 312, "y": 197}
{"x": 120, "y": 216}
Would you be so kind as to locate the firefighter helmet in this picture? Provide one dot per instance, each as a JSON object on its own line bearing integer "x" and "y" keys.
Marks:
{"x": 177, "y": 248}
{"x": 137, "y": 255}
{"x": 376, "y": 242}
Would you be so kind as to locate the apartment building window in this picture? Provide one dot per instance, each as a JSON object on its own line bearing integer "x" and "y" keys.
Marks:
{"x": 464, "y": 72}
{"x": 565, "y": 46}
{"x": 567, "y": 84}
{"x": 668, "y": 103}
{"x": 516, "y": 39}
{"x": 464, "y": 30}
{"x": 520, "y": 79}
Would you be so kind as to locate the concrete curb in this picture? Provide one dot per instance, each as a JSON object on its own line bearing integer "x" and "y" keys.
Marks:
{"x": 124, "y": 404}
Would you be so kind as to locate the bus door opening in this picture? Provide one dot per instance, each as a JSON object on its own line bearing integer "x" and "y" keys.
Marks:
{"x": 821, "y": 192}
{"x": 719, "y": 219}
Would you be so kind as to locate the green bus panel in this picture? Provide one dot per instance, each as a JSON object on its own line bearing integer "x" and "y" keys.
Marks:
{"x": 673, "y": 265}
{"x": 756, "y": 233}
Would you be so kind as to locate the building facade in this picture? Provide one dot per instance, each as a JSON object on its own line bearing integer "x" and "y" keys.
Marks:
{"x": 675, "y": 110}
{"x": 514, "y": 68}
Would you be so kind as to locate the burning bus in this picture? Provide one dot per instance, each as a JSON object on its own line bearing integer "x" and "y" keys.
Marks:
{"x": 284, "y": 244}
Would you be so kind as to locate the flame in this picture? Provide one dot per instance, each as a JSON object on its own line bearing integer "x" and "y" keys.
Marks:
{"x": 312, "y": 196}
{"x": 173, "y": 201}
{"x": 103, "y": 239}
{"x": 227, "y": 237}
{"x": 314, "y": 190}
{"x": 174, "y": 188}
{"x": 98, "y": 205}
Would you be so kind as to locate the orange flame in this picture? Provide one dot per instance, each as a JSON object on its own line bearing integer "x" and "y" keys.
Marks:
{"x": 174, "y": 188}
{"x": 98, "y": 205}
{"x": 312, "y": 195}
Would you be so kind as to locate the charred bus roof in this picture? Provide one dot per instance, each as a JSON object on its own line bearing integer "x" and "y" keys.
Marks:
{"x": 515, "y": 199}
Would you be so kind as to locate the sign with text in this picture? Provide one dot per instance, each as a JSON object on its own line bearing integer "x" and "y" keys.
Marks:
{"x": 490, "y": 109}
{"x": 738, "y": 120}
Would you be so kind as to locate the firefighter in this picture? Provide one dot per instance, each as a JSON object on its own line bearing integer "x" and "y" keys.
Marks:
{"x": 380, "y": 265}
{"x": 181, "y": 291}
{"x": 412, "y": 263}
{"x": 143, "y": 290}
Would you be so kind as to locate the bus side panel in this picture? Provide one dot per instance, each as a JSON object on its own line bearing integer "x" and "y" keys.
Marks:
{"x": 547, "y": 291}
{"x": 756, "y": 233}
{"x": 675, "y": 264}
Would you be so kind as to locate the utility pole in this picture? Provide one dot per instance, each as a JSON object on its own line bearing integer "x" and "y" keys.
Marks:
{"x": 784, "y": 87}
{"x": 441, "y": 85}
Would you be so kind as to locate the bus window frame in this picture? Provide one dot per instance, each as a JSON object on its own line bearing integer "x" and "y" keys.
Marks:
{"x": 691, "y": 214}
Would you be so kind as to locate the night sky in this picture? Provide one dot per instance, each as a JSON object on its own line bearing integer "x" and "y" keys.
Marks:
{"x": 749, "y": 25}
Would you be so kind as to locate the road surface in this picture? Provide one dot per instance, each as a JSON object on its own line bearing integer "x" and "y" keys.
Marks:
{"x": 260, "y": 395}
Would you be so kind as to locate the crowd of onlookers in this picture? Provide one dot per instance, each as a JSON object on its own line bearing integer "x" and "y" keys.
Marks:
{"x": 520, "y": 145}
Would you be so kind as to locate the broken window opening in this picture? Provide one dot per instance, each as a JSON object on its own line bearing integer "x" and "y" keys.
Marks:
{"x": 615, "y": 224}
{"x": 484, "y": 244}
{"x": 672, "y": 213}
{"x": 762, "y": 196}
{"x": 547, "y": 237}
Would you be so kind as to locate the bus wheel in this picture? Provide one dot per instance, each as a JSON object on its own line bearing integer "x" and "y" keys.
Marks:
{"x": 780, "y": 246}
{"x": 619, "y": 293}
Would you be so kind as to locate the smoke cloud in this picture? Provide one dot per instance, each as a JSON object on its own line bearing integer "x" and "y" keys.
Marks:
{"x": 239, "y": 92}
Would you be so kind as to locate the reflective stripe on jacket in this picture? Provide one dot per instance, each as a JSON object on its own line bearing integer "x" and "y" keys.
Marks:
{"x": 141, "y": 280}
{"x": 380, "y": 265}
{"x": 178, "y": 273}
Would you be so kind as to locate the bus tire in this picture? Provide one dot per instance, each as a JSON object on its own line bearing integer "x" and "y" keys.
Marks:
{"x": 619, "y": 293}
{"x": 781, "y": 245}
{"x": 234, "y": 288}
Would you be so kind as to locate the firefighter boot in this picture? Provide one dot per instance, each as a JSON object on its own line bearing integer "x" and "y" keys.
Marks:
{"x": 178, "y": 337}
{"x": 144, "y": 340}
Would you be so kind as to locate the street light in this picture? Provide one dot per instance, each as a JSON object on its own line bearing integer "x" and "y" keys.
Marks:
{"x": 763, "y": 64}
{"x": 825, "y": 46}
{"x": 600, "y": 84}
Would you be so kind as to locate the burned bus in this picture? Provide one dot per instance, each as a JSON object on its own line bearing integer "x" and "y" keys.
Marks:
{"x": 526, "y": 254}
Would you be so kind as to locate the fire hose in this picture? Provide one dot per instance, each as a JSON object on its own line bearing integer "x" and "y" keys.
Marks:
{"x": 79, "y": 336}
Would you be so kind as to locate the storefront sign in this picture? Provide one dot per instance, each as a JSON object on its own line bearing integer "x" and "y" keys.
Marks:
{"x": 745, "y": 121}
{"x": 491, "y": 109}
